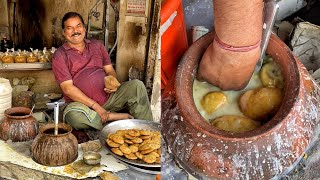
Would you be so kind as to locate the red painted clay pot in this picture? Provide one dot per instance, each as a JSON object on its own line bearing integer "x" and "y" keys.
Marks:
{"x": 263, "y": 153}
{"x": 18, "y": 125}
{"x": 55, "y": 150}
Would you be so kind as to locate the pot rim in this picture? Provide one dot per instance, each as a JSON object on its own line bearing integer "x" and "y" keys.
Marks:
{"x": 63, "y": 126}
{"x": 12, "y": 110}
{"x": 184, "y": 92}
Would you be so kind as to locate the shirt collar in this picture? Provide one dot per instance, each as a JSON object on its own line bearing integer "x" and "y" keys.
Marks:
{"x": 67, "y": 47}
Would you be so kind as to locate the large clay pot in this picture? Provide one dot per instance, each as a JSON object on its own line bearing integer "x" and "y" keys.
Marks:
{"x": 263, "y": 153}
{"x": 18, "y": 125}
{"x": 55, "y": 150}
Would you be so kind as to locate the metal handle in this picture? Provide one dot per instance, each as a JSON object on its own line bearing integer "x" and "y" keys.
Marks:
{"x": 56, "y": 117}
{"x": 270, "y": 11}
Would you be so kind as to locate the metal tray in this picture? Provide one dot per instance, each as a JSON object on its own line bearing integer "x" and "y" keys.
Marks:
{"x": 128, "y": 124}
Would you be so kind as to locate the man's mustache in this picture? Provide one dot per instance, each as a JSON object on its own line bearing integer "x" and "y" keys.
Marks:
{"x": 76, "y": 33}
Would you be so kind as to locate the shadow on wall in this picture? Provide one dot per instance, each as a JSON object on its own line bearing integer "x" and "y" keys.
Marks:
{"x": 28, "y": 16}
{"x": 38, "y": 22}
{"x": 198, "y": 13}
{"x": 57, "y": 37}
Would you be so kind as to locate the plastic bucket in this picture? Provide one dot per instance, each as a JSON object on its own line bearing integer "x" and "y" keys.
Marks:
{"x": 5, "y": 96}
{"x": 174, "y": 41}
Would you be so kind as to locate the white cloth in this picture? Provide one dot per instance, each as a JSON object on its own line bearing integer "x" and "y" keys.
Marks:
{"x": 10, "y": 153}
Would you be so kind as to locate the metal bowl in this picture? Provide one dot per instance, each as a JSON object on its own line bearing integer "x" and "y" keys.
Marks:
{"x": 128, "y": 124}
{"x": 91, "y": 158}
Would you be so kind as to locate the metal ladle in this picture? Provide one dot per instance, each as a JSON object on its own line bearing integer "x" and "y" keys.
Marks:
{"x": 55, "y": 106}
{"x": 32, "y": 109}
{"x": 56, "y": 117}
{"x": 270, "y": 11}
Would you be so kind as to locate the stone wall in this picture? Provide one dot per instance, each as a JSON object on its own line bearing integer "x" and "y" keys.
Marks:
{"x": 39, "y": 93}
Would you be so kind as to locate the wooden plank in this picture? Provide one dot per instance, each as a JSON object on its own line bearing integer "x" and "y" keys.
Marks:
{"x": 25, "y": 66}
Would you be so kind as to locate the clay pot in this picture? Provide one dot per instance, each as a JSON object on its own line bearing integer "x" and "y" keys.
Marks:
{"x": 263, "y": 153}
{"x": 55, "y": 150}
{"x": 18, "y": 125}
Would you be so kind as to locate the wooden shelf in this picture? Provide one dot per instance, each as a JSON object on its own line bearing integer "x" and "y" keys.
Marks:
{"x": 25, "y": 66}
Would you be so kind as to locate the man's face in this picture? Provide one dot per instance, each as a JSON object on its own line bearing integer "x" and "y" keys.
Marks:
{"x": 74, "y": 30}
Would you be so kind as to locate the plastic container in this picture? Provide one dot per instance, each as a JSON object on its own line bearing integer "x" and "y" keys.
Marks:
{"x": 174, "y": 41}
{"x": 5, "y": 96}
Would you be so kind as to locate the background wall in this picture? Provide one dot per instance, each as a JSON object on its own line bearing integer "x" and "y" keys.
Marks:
{"x": 45, "y": 82}
{"x": 198, "y": 13}
{"x": 4, "y": 24}
{"x": 37, "y": 25}
{"x": 38, "y": 22}
{"x": 133, "y": 43}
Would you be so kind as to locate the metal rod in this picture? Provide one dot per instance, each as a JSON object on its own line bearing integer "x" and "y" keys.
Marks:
{"x": 32, "y": 109}
{"x": 56, "y": 117}
{"x": 270, "y": 12}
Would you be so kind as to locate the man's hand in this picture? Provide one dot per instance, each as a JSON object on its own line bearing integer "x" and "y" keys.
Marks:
{"x": 226, "y": 69}
{"x": 110, "y": 116}
{"x": 118, "y": 116}
{"x": 104, "y": 114}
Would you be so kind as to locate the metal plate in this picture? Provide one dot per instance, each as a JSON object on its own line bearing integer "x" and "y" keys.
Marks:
{"x": 128, "y": 124}
{"x": 147, "y": 170}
